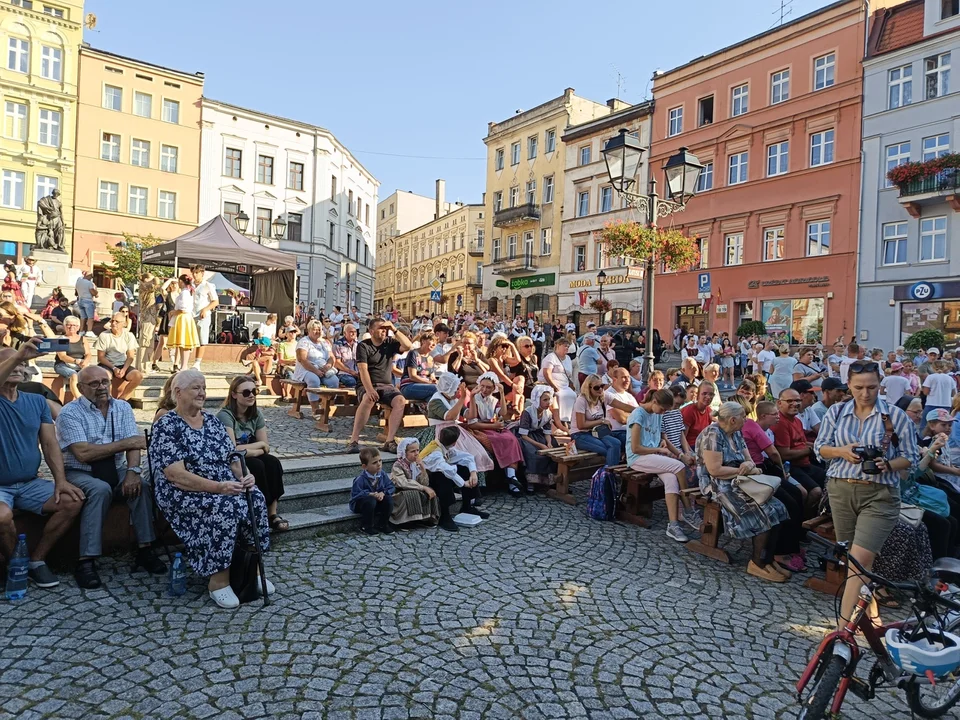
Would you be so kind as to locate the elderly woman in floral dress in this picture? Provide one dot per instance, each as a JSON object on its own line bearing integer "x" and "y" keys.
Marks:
{"x": 414, "y": 500}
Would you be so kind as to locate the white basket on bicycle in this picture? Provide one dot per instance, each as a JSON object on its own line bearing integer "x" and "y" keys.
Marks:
{"x": 921, "y": 656}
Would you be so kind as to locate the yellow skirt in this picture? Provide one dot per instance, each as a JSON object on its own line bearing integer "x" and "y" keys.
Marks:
{"x": 184, "y": 333}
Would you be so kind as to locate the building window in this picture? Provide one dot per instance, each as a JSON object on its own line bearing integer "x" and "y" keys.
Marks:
{"x": 140, "y": 153}
{"x": 50, "y": 10}
{"x": 936, "y": 146}
{"x": 480, "y": 238}
{"x": 900, "y": 84}
{"x": 264, "y": 220}
{"x": 546, "y": 241}
{"x": 778, "y": 158}
{"x": 548, "y": 190}
{"x": 51, "y": 63}
{"x": 738, "y": 169}
{"x": 168, "y": 158}
{"x": 703, "y": 247}
{"x": 733, "y": 249}
{"x": 580, "y": 258}
{"x": 110, "y": 147}
{"x": 895, "y": 243}
{"x": 142, "y": 104}
{"x": 13, "y": 183}
{"x": 933, "y": 239}
{"x": 773, "y": 241}
{"x": 230, "y": 212}
{"x": 818, "y": 238}
{"x": 583, "y": 203}
{"x": 821, "y": 148}
{"x": 705, "y": 111}
{"x": 897, "y": 155}
{"x": 531, "y": 147}
{"x": 779, "y": 87}
{"x": 167, "y": 205}
{"x": 937, "y": 74}
{"x": 18, "y": 57}
{"x": 496, "y": 249}
{"x": 498, "y": 201}
{"x": 528, "y": 244}
{"x": 741, "y": 100}
{"x": 137, "y": 201}
{"x": 265, "y": 169}
{"x": 550, "y": 140}
{"x": 599, "y": 259}
{"x": 333, "y": 189}
{"x": 824, "y": 71}
{"x": 949, "y": 8}
{"x": 171, "y": 111}
{"x": 515, "y": 154}
{"x": 511, "y": 246}
{"x": 112, "y": 98}
{"x": 332, "y": 234}
{"x": 514, "y": 195}
{"x": 349, "y": 202}
{"x": 498, "y": 159}
{"x": 606, "y": 199}
{"x": 675, "y": 121}
{"x": 366, "y": 217}
{"x": 532, "y": 192}
{"x": 15, "y": 121}
{"x": 585, "y": 155}
{"x": 26, "y": 4}
{"x": 50, "y": 127}
{"x": 705, "y": 179}
{"x": 46, "y": 185}
{"x": 109, "y": 195}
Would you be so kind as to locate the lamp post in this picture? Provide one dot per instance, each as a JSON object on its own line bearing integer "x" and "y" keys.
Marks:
{"x": 601, "y": 279}
{"x": 622, "y": 155}
{"x": 242, "y": 223}
{"x": 443, "y": 280}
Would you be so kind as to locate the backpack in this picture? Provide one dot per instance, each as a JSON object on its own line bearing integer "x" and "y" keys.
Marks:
{"x": 602, "y": 503}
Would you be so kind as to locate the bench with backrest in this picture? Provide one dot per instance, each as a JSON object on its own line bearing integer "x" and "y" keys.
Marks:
{"x": 570, "y": 468}
{"x": 637, "y": 495}
{"x": 711, "y": 528}
{"x": 834, "y": 573}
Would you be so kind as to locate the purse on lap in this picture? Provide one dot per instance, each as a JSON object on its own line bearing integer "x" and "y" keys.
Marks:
{"x": 759, "y": 488}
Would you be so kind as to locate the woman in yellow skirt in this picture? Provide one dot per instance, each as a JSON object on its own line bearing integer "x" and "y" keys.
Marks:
{"x": 183, "y": 337}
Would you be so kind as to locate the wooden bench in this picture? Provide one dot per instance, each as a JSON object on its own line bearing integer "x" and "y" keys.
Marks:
{"x": 297, "y": 389}
{"x": 635, "y": 503}
{"x": 835, "y": 574}
{"x": 327, "y": 397}
{"x": 709, "y": 542}
{"x": 570, "y": 468}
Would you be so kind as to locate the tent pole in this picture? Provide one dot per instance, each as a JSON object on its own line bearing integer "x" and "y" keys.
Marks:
{"x": 176, "y": 266}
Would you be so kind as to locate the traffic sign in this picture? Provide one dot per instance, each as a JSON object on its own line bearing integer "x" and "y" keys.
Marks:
{"x": 435, "y": 284}
{"x": 434, "y": 296}
{"x": 459, "y": 300}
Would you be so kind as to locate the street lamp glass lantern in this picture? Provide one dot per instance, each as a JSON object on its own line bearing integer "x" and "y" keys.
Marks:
{"x": 601, "y": 277}
{"x": 442, "y": 278}
{"x": 279, "y": 227}
{"x": 622, "y": 154}
{"x": 242, "y": 221}
{"x": 682, "y": 172}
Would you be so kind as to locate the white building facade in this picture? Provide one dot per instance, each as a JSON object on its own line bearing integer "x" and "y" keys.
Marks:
{"x": 269, "y": 167}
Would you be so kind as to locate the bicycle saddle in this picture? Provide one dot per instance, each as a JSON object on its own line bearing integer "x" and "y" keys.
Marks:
{"x": 947, "y": 569}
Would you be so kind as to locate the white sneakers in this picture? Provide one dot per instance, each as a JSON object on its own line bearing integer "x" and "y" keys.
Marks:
{"x": 227, "y": 598}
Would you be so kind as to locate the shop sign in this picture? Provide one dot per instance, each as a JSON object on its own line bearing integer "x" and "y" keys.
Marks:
{"x": 611, "y": 280}
{"x": 529, "y": 281}
{"x": 502, "y": 283}
{"x": 924, "y": 291}
{"x": 635, "y": 272}
{"x": 813, "y": 281}
{"x": 722, "y": 309}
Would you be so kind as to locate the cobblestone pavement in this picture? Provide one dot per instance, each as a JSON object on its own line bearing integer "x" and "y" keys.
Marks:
{"x": 539, "y": 613}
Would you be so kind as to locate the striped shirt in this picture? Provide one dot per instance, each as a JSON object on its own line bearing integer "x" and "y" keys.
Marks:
{"x": 671, "y": 424}
{"x": 841, "y": 427}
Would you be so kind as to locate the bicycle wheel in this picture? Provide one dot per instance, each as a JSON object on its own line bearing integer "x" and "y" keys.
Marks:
{"x": 825, "y": 687}
{"x": 932, "y": 701}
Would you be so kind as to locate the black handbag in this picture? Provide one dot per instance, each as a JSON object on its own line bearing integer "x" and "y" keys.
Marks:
{"x": 106, "y": 468}
{"x": 243, "y": 574}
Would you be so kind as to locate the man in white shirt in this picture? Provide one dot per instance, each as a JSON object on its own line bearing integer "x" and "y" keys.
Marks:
{"x": 853, "y": 354}
{"x": 766, "y": 357}
{"x": 336, "y": 319}
{"x": 745, "y": 347}
{"x": 894, "y": 386}
{"x": 939, "y": 387}
{"x": 86, "y": 301}
{"x": 620, "y": 403}
{"x": 29, "y": 275}
{"x": 441, "y": 352}
{"x": 205, "y": 301}
{"x": 834, "y": 360}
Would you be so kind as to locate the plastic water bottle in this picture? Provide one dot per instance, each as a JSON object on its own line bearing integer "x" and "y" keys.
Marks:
{"x": 17, "y": 571}
{"x": 178, "y": 576}
{"x": 786, "y": 470}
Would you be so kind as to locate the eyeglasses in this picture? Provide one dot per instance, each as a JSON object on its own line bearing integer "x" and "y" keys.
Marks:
{"x": 867, "y": 366}
{"x": 99, "y": 383}
{"x": 248, "y": 393}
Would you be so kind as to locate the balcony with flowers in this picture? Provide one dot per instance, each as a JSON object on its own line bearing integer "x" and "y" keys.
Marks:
{"x": 929, "y": 182}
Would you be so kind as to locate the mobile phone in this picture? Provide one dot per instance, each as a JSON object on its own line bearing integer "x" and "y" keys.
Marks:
{"x": 53, "y": 345}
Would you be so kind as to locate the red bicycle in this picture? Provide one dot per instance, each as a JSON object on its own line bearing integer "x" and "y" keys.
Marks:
{"x": 830, "y": 674}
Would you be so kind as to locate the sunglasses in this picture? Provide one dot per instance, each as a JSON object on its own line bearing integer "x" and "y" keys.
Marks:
{"x": 248, "y": 393}
{"x": 595, "y": 387}
{"x": 866, "y": 366}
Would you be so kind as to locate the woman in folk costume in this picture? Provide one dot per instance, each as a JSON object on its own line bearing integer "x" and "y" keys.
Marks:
{"x": 536, "y": 433}
{"x": 485, "y": 418}
{"x": 413, "y": 499}
{"x": 183, "y": 337}
{"x": 445, "y": 408}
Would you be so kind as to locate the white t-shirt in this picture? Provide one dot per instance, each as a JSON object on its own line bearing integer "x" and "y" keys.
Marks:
{"x": 745, "y": 347}
{"x": 440, "y": 349}
{"x": 268, "y": 331}
{"x": 834, "y": 360}
{"x": 626, "y": 398}
{"x": 896, "y": 386}
{"x": 765, "y": 359}
{"x": 942, "y": 389}
{"x": 845, "y": 368}
{"x": 84, "y": 289}
{"x": 560, "y": 371}
{"x": 186, "y": 301}
{"x": 204, "y": 294}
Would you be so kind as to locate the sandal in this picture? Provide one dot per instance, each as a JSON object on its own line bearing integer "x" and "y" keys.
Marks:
{"x": 885, "y": 599}
{"x": 278, "y": 524}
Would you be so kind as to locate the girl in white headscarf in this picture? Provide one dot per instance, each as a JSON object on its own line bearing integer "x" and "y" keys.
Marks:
{"x": 536, "y": 433}
{"x": 486, "y": 420}
{"x": 414, "y": 500}
{"x": 444, "y": 408}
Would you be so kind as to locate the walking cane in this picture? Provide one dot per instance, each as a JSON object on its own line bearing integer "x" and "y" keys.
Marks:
{"x": 153, "y": 495}
{"x": 253, "y": 527}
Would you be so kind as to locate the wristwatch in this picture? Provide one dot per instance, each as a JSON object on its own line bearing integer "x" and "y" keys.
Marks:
{"x": 135, "y": 469}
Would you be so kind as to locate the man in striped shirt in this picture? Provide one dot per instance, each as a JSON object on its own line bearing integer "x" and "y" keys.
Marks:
{"x": 865, "y": 507}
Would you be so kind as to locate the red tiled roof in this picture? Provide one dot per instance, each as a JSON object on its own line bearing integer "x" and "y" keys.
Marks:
{"x": 896, "y": 27}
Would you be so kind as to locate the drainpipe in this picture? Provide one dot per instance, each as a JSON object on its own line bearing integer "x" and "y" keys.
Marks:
{"x": 314, "y": 211}
{"x": 856, "y": 300}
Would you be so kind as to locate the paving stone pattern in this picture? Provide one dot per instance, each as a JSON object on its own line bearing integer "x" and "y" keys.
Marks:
{"x": 538, "y": 613}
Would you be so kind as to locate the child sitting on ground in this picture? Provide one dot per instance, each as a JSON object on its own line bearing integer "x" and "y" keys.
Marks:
{"x": 448, "y": 467}
{"x": 259, "y": 357}
{"x": 372, "y": 494}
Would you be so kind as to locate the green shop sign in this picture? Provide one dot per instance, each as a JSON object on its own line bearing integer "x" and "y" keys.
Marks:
{"x": 529, "y": 281}
{"x": 502, "y": 283}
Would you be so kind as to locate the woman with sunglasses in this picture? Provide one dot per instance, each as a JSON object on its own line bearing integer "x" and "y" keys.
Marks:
{"x": 590, "y": 428}
{"x": 248, "y": 431}
{"x": 746, "y": 395}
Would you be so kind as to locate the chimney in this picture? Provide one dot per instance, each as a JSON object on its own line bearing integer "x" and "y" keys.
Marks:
{"x": 616, "y": 104}
{"x": 441, "y": 187}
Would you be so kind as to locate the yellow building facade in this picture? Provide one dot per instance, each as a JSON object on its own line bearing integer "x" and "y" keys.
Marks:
{"x": 38, "y": 84}
{"x": 524, "y": 205}
{"x": 447, "y": 246}
{"x": 138, "y": 153}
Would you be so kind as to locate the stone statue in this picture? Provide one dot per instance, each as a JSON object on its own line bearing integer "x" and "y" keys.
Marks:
{"x": 49, "y": 233}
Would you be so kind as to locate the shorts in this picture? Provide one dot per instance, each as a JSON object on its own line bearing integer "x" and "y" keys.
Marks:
{"x": 203, "y": 328}
{"x": 64, "y": 370}
{"x": 387, "y": 394}
{"x": 87, "y": 309}
{"x": 30, "y": 495}
{"x": 864, "y": 514}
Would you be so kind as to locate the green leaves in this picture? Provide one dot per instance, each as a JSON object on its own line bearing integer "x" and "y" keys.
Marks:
{"x": 126, "y": 260}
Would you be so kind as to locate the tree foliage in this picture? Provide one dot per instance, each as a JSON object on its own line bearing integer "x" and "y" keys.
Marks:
{"x": 752, "y": 327}
{"x": 924, "y": 339}
{"x": 126, "y": 260}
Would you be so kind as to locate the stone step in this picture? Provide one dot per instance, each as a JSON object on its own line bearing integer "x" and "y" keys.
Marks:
{"x": 326, "y": 467}
{"x": 308, "y": 524}
{"x": 301, "y": 496}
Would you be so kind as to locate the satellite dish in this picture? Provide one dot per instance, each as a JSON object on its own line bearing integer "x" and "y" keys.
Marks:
{"x": 90, "y": 21}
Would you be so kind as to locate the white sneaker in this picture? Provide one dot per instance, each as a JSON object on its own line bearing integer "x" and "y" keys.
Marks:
{"x": 196, "y": 365}
{"x": 89, "y": 334}
{"x": 675, "y": 532}
{"x": 271, "y": 590}
{"x": 226, "y": 598}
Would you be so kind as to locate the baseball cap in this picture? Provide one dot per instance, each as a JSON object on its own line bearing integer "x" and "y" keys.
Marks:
{"x": 895, "y": 367}
{"x": 590, "y": 336}
{"x": 832, "y": 384}
{"x": 591, "y": 324}
{"x": 801, "y": 386}
{"x": 939, "y": 415}
{"x": 933, "y": 350}
{"x": 569, "y": 327}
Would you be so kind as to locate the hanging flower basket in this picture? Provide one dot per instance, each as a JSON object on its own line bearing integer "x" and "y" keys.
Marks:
{"x": 914, "y": 171}
{"x": 640, "y": 242}
{"x": 601, "y": 306}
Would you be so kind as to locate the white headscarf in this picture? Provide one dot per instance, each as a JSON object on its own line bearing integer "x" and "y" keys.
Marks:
{"x": 447, "y": 385}
{"x": 402, "y": 456}
{"x": 491, "y": 377}
{"x": 537, "y": 393}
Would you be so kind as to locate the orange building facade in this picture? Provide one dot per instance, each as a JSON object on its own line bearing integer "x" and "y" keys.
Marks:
{"x": 775, "y": 120}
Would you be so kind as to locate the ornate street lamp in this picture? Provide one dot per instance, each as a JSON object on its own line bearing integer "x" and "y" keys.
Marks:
{"x": 242, "y": 222}
{"x": 279, "y": 227}
{"x": 601, "y": 279}
{"x": 443, "y": 280}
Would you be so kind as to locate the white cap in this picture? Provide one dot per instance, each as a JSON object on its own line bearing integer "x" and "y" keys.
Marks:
{"x": 589, "y": 336}
{"x": 933, "y": 350}
{"x": 570, "y": 327}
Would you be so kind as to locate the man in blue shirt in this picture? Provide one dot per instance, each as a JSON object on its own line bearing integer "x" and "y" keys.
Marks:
{"x": 588, "y": 359}
{"x": 26, "y": 427}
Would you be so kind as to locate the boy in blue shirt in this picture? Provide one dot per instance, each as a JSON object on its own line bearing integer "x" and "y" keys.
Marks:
{"x": 372, "y": 494}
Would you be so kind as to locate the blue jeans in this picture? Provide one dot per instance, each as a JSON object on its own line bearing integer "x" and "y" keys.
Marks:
{"x": 609, "y": 446}
{"x": 313, "y": 381}
{"x": 621, "y": 435}
{"x": 347, "y": 381}
{"x": 87, "y": 309}
{"x": 418, "y": 391}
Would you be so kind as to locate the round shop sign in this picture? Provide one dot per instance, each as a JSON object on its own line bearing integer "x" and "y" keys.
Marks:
{"x": 921, "y": 291}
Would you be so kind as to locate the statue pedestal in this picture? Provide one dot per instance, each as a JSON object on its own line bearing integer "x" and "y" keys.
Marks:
{"x": 55, "y": 267}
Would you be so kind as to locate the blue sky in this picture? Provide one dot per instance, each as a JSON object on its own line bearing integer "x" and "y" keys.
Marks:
{"x": 422, "y": 78}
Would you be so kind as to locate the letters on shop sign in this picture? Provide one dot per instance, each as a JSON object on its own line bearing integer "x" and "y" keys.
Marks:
{"x": 611, "y": 280}
{"x": 816, "y": 281}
